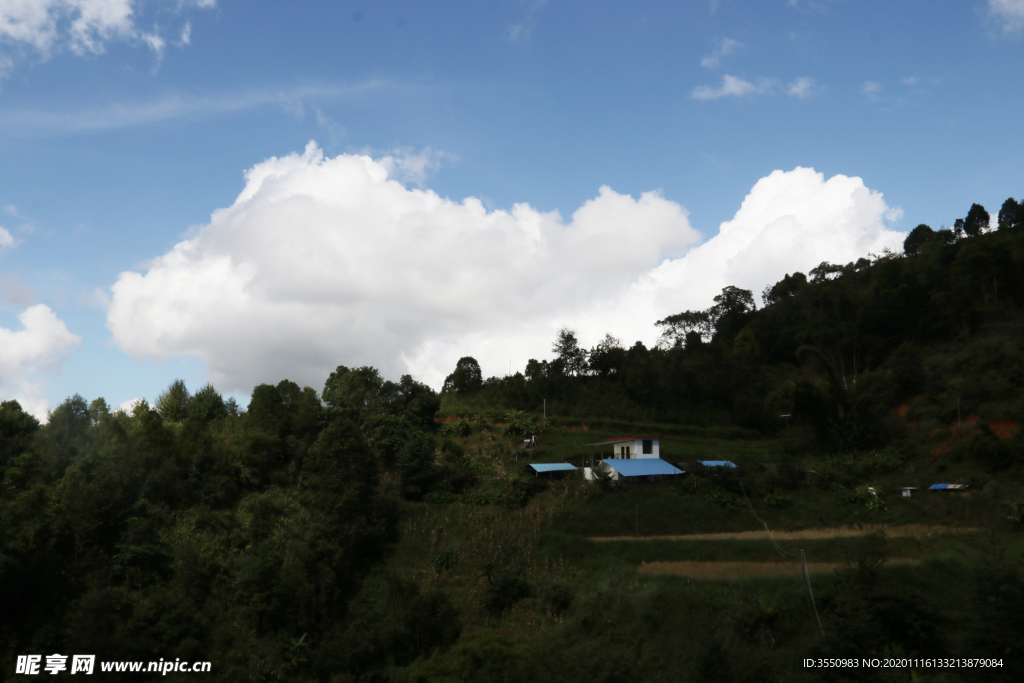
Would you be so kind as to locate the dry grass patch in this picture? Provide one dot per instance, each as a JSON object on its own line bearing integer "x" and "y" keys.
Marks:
{"x": 908, "y": 530}
{"x": 741, "y": 570}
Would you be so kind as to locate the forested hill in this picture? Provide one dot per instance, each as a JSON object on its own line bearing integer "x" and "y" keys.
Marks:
{"x": 346, "y": 535}
{"x": 839, "y": 348}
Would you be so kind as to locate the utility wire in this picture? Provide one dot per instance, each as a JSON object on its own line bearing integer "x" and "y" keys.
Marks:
{"x": 807, "y": 579}
{"x": 769, "y": 531}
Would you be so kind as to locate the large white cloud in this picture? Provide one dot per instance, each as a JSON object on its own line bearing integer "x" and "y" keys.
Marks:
{"x": 322, "y": 262}
{"x": 790, "y": 221}
{"x": 41, "y": 345}
{"x": 327, "y": 261}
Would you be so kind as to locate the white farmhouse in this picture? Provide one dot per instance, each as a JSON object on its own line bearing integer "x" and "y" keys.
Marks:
{"x": 631, "y": 447}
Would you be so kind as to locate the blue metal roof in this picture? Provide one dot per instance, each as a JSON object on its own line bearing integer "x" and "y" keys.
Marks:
{"x": 717, "y": 463}
{"x": 642, "y": 467}
{"x": 552, "y": 466}
{"x": 937, "y": 487}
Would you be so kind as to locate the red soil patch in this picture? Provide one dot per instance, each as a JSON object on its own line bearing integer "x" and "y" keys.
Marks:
{"x": 902, "y": 410}
{"x": 1005, "y": 429}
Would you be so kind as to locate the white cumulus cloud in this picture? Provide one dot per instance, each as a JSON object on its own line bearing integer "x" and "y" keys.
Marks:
{"x": 1008, "y": 13}
{"x": 327, "y": 261}
{"x": 41, "y": 345}
{"x": 732, "y": 86}
{"x": 790, "y": 221}
{"x": 6, "y": 240}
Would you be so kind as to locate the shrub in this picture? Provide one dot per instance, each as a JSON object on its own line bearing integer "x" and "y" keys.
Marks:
{"x": 484, "y": 498}
{"x": 445, "y": 561}
{"x": 440, "y": 498}
{"x": 459, "y": 428}
{"x": 503, "y": 592}
{"x": 558, "y": 598}
{"x": 777, "y": 501}
{"x": 722, "y": 499}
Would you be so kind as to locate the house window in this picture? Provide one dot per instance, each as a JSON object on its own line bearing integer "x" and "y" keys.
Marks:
{"x": 627, "y": 452}
{"x": 648, "y": 446}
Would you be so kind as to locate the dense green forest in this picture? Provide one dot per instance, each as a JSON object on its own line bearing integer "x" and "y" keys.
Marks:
{"x": 380, "y": 531}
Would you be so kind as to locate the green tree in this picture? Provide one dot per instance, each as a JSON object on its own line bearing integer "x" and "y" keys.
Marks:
{"x": 98, "y": 410}
{"x": 16, "y": 430}
{"x": 466, "y": 379}
{"x": 976, "y": 221}
{"x": 606, "y": 358}
{"x": 917, "y": 237}
{"x": 353, "y": 389}
{"x": 784, "y": 288}
{"x": 567, "y": 350}
{"x": 1011, "y": 215}
{"x": 172, "y": 404}
{"x": 676, "y": 328}
{"x": 207, "y": 404}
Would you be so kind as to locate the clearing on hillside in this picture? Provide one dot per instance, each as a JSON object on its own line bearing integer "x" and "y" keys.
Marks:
{"x": 908, "y": 530}
{"x": 742, "y": 570}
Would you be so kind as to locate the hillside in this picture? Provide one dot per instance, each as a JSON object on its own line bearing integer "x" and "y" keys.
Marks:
{"x": 379, "y": 531}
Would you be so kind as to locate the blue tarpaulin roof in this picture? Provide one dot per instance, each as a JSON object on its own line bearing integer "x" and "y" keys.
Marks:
{"x": 642, "y": 467}
{"x": 937, "y": 486}
{"x": 551, "y": 466}
{"x": 717, "y": 463}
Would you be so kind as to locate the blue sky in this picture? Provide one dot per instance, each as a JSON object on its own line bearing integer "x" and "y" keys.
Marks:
{"x": 124, "y": 125}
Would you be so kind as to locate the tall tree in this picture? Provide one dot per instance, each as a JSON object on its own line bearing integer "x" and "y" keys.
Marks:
{"x": 1011, "y": 215}
{"x": 466, "y": 378}
{"x": 173, "y": 403}
{"x": 976, "y": 221}
{"x": 567, "y": 349}
{"x": 917, "y": 237}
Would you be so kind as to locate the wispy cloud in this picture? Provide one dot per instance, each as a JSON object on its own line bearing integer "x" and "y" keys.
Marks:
{"x": 732, "y": 86}
{"x": 126, "y": 115}
{"x": 1007, "y": 13}
{"x": 801, "y": 88}
{"x": 871, "y": 89}
{"x": 523, "y": 31}
{"x": 722, "y": 48}
{"x": 46, "y": 27}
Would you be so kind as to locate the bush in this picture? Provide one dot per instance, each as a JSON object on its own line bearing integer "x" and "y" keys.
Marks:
{"x": 503, "y": 592}
{"x": 484, "y": 498}
{"x": 459, "y": 428}
{"x": 558, "y": 598}
{"x": 777, "y": 501}
{"x": 441, "y": 498}
{"x": 722, "y": 499}
{"x": 445, "y": 561}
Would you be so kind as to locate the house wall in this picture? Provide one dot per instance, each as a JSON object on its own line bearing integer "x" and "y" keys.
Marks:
{"x": 636, "y": 450}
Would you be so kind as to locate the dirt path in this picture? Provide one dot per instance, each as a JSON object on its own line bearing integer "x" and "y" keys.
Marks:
{"x": 741, "y": 570}
{"x": 914, "y": 530}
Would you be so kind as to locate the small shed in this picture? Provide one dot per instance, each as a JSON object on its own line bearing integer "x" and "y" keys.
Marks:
{"x": 906, "y": 490}
{"x": 632, "y": 447}
{"x": 643, "y": 468}
{"x": 718, "y": 463}
{"x": 551, "y": 469}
